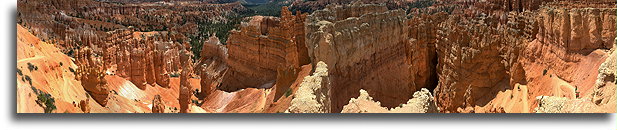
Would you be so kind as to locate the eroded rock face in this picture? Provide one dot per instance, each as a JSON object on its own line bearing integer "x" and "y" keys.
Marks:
{"x": 422, "y": 102}
{"x": 260, "y": 47}
{"x": 138, "y": 65}
{"x": 365, "y": 48}
{"x": 157, "y": 105}
{"x": 422, "y": 54}
{"x": 149, "y": 62}
{"x": 185, "y": 74}
{"x": 83, "y": 105}
{"x": 314, "y": 93}
{"x": 572, "y": 39}
{"x": 212, "y": 65}
{"x": 160, "y": 71}
{"x": 604, "y": 89}
{"x": 91, "y": 75}
{"x": 578, "y": 30}
{"x": 479, "y": 57}
{"x": 285, "y": 77}
{"x": 143, "y": 59}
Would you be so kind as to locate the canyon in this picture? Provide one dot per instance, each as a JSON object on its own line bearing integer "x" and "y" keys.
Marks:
{"x": 398, "y": 56}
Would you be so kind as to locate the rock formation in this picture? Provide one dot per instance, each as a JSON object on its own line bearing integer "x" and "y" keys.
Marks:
{"x": 138, "y": 66}
{"x": 185, "y": 87}
{"x": 101, "y": 16}
{"x": 91, "y": 76}
{"x": 604, "y": 88}
{"x": 84, "y": 105}
{"x": 314, "y": 93}
{"x": 150, "y": 73}
{"x": 285, "y": 77}
{"x": 422, "y": 102}
{"x": 549, "y": 104}
{"x": 578, "y": 30}
{"x": 422, "y": 54}
{"x": 486, "y": 56}
{"x": 157, "y": 105}
{"x": 469, "y": 58}
{"x": 365, "y": 48}
{"x": 160, "y": 71}
{"x": 143, "y": 59}
{"x": 212, "y": 65}
{"x": 260, "y": 47}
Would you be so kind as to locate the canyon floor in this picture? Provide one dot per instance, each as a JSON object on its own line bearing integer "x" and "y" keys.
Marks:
{"x": 322, "y": 56}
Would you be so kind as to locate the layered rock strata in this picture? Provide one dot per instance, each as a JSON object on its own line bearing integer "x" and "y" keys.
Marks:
{"x": 365, "y": 48}
{"x": 212, "y": 65}
{"x": 577, "y": 30}
{"x": 260, "y": 47}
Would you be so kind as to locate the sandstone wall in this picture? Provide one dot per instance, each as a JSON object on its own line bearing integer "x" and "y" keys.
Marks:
{"x": 422, "y": 54}
{"x": 577, "y": 29}
{"x": 475, "y": 59}
{"x": 365, "y": 48}
{"x": 260, "y": 47}
{"x": 212, "y": 65}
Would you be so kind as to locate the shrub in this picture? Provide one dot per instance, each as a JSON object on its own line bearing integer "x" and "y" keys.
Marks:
{"x": 19, "y": 72}
{"x": 32, "y": 67}
{"x": 45, "y": 100}
{"x": 196, "y": 93}
{"x": 174, "y": 75}
{"x": 288, "y": 92}
{"x": 28, "y": 79}
{"x": 544, "y": 72}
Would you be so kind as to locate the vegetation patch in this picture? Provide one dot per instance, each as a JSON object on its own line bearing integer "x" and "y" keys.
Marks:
{"x": 288, "y": 92}
{"x": 269, "y": 9}
{"x": 544, "y": 72}
{"x": 174, "y": 75}
{"x": 32, "y": 67}
{"x": 206, "y": 29}
{"x": 28, "y": 79}
{"x": 44, "y": 100}
{"x": 196, "y": 93}
{"x": 19, "y": 72}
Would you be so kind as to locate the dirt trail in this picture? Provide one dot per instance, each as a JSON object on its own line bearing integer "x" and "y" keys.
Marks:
{"x": 29, "y": 59}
